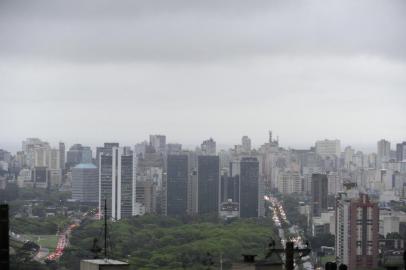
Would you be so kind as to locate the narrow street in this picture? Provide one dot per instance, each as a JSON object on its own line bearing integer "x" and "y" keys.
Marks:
{"x": 285, "y": 228}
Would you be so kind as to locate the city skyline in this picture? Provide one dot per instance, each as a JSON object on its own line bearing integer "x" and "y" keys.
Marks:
{"x": 367, "y": 148}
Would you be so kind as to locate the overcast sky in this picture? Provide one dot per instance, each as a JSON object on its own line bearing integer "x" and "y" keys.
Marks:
{"x": 90, "y": 71}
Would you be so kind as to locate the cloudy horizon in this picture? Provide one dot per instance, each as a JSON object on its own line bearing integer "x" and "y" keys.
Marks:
{"x": 94, "y": 71}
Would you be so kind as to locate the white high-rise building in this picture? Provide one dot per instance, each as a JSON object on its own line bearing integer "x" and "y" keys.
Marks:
{"x": 328, "y": 148}
{"x": 117, "y": 183}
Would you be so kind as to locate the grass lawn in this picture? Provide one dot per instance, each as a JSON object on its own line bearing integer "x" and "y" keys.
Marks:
{"x": 45, "y": 241}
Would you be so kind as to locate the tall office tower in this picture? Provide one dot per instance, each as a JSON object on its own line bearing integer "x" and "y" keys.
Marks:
{"x": 328, "y": 148}
{"x": 77, "y": 154}
{"x": 208, "y": 177}
{"x": 117, "y": 183}
{"x": 106, "y": 149}
{"x": 246, "y": 144}
{"x": 85, "y": 183}
{"x": 319, "y": 194}
{"x": 357, "y": 231}
{"x": 192, "y": 183}
{"x": 383, "y": 152}
{"x": 401, "y": 151}
{"x": 247, "y": 172}
{"x": 209, "y": 147}
{"x": 62, "y": 155}
{"x": 177, "y": 185}
{"x": 229, "y": 188}
{"x": 158, "y": 142}
{"x": 289, "y": 182}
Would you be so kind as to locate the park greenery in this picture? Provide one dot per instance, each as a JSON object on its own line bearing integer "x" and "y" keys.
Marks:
{"x": 156, "y": 242}
{"x": 38, "y": 226}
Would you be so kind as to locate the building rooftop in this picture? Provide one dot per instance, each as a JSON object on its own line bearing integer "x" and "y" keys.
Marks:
{"x": 85, "y": 166}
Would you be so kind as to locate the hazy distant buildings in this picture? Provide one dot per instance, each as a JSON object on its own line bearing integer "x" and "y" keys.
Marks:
{"x": 208, "y": 184}
{"x": 177, "y": 185}
{"x": 117, "y": 183}
{"x": 85, "y": 183}
{"x": 401, "y": 151}
{"x": 289, "y": 182}
{"x": 62, "y": 155}
{"x": 383, "y": 152}
{"x": 319, "y": 193}
{"x": 328, "y": 148}
{"x": 208, "y": 147}
{"x": 78, "y": 154}
{"x": 246, "y": 144}
{"x": 173, "y": 148}
{"x": 158, "y": 142}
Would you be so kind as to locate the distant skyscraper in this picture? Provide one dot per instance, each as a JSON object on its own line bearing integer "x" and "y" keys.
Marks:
{"x": 328, "y": 148}
{"x": 319, "y": 188}
{"x": 357, "y": 231}
{"x": 62, "y": 155}
{"x": 247, "y": 172}
{"x": 401, "y": 151}
{"x": 209, "y": 147}
{"x": 177, "y": 185}
{"x": 173, "y": 148}
{"x": 117, "y": 183}
{"x": 246, "y": 144}
{"x": 158, "y": 142}
{"x": 383, "y": 152}
{"x": 208, "y": 184}
{"x": 85, "y": 182}
{"x": 77, "y": 154}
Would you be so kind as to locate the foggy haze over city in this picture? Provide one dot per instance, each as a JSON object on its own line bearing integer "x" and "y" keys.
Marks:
{"x": 80, "y": 72}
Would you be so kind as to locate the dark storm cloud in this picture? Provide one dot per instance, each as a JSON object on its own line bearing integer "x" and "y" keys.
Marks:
{"x": 116, "y": 31}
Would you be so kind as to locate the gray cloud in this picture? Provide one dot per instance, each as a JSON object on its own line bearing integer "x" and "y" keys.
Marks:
{"x": 110, "y": 31}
